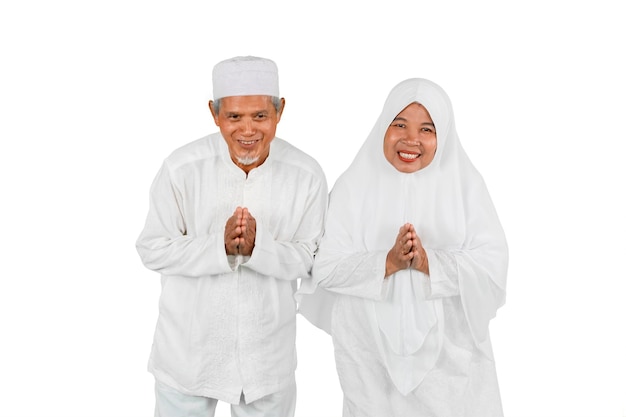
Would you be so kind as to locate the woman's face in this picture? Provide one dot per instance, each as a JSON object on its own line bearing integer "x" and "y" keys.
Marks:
{"x": 411, "y": 139}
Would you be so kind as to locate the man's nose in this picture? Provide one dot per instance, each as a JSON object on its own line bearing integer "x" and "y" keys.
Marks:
{"x": 248, "y": 127}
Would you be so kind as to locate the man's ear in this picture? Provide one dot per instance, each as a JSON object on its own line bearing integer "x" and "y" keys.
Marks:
{"x": 215, "y": 118}
{"x": 282, "y": 107}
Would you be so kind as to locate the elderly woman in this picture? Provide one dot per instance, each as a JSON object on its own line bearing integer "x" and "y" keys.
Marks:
{"x": 411, "y": 269}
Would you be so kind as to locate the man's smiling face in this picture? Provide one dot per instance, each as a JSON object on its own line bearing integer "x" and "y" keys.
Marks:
{"x": 248, "y": 124}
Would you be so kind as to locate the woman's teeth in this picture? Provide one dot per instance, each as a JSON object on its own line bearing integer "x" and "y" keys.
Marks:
{"x": 408, "y": 155}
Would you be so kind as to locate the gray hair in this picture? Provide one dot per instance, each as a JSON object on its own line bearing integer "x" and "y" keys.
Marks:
{"x": 217, "y": 103}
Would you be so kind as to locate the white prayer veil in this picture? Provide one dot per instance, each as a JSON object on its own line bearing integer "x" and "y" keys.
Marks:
{"x": 450, "y": 207}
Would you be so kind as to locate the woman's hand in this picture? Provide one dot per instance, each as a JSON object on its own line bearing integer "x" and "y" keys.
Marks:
{"x": 407, "y": 252}
{"x": 402, "y": 253}
{"x": 420, "y": 259}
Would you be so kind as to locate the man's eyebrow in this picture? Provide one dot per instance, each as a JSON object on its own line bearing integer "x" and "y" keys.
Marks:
{"x": 252, "y": 112}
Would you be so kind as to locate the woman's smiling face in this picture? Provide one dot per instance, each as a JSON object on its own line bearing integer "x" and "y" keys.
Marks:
{"x": 411, "y": 139}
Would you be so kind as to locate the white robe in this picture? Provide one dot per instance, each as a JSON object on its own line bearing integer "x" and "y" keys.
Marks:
{"x": 411, "y": 345}
{"x": 227, "y": 324}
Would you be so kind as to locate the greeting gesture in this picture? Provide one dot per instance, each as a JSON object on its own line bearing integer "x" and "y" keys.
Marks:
{"x": 240, "y": 233}
{"x": 420, "y": 259}
{"x": 401, "y": 254}
{"x": 407, "y": 252}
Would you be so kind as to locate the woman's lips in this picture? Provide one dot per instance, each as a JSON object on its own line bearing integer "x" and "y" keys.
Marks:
{"x": 408, "y": 156}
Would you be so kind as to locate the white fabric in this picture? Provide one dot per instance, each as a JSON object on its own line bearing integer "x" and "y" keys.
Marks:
{"x": 171, "y": 403}
{"x": 227, "y": 325}
{"x": 245, "y": 76}
{"x": 462, "y": 384}
{"x": 450, "y": 207}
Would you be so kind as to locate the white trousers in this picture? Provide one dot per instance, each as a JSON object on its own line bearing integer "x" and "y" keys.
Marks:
{"x": 172, "y": 403}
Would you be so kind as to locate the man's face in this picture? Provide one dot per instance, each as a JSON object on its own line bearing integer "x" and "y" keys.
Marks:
{"x": 411, "y": 140}
{"x": 248, "y": 124}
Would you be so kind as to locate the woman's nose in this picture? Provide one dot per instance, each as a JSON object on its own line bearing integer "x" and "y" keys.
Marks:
{"x": 412, "y": 138}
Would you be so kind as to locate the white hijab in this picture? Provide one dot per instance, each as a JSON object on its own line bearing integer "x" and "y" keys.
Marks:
{"x": 450, "y": 207}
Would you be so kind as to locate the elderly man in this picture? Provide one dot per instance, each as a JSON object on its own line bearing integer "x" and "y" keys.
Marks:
{"x": 235, "y": 219}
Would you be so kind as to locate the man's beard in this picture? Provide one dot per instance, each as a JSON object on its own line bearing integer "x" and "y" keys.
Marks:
{"x": 247, "y": 160}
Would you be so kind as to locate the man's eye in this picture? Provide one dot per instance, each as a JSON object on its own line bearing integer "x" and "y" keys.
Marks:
{"x": 261, "y": 116}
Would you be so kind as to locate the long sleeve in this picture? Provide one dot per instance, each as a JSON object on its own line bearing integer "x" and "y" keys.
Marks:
{"x": 339, "y": 267}
{"x": 292, "y": 259}
{"x": 358, "y": 274}
{"x": 443, "y": 280}
{"x": 164, "y": 245}
{"x": 482, "y": 265}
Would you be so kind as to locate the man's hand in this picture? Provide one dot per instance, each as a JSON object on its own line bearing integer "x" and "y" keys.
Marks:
{"x": 248, "y": 233}
{"x": 232, "y": 232}
{"x": 240, "y": 233}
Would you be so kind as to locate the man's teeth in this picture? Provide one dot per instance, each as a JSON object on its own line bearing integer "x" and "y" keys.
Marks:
{"x": 247, "y": 142}
{"x": 408, "y": 155}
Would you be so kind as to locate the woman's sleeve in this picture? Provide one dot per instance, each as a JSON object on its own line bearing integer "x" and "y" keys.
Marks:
{"x": 340, "y": 269}
{"x": 482, "y": 264}
{"x": 357, "y": 274}
{"x": 443, "y": 279}
{"x": 477, "y": 271}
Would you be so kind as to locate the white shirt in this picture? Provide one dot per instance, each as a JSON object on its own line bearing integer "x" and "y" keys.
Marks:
{"x": 227, "y": 324}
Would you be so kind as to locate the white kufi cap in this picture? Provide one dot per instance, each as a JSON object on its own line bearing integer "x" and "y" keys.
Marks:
{"x": 245, "y": 76}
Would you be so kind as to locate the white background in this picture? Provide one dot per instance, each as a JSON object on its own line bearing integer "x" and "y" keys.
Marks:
{"x": 94, "y": 95}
